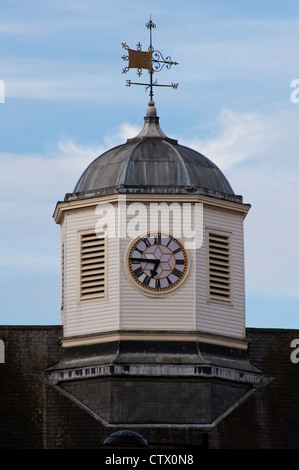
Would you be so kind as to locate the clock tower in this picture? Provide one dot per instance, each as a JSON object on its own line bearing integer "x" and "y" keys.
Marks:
{"x": 152, "y": 245}
{"x": 153, "y": 291}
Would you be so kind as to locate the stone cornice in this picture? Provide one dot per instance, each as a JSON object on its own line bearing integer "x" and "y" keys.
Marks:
{"x": 64, "y": 207}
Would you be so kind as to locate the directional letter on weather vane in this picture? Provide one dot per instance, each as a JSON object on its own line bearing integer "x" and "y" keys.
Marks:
{"x": 151, "y": 60}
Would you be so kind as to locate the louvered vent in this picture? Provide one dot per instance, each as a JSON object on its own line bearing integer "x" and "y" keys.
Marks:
{"x": 219, "y": 266}
{"x": 92, "y": 265}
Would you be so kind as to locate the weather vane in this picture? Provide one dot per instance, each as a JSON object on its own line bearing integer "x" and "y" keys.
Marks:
{"x": 152, "y": 60}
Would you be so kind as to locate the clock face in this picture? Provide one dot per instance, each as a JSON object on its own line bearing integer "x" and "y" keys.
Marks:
{"x": 157, "y": 262}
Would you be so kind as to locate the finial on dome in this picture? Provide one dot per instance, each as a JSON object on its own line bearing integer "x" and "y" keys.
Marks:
{"x": 151, "y": 128}
{"x": 151, "y": 110}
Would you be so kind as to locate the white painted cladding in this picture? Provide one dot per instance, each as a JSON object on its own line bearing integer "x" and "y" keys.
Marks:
{"x": 128, "y": 309}
{"x": 222, "y": 318}
{"x": 88, "y": 317}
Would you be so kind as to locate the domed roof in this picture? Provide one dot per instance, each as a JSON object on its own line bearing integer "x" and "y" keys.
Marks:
{"x": 152, "y": 163}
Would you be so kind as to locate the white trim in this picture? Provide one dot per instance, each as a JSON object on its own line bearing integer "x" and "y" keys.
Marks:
{"x": 112, "y": 336}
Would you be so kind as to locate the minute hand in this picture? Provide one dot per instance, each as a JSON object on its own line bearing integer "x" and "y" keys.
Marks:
{"x": 148, "y": 260}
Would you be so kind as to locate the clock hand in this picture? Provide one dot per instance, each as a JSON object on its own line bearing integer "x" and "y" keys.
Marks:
{"x": 154, "y": 271}
{"x": 148, "y": 260}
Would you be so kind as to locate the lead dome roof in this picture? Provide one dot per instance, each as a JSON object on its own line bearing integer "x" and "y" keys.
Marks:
{"x": 152, "y": 163}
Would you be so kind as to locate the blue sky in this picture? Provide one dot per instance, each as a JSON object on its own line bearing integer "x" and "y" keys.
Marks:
{"x": 66, "y": 102}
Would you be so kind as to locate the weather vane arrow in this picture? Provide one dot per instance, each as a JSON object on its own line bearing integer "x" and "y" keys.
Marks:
{"x": 151, "y": 60}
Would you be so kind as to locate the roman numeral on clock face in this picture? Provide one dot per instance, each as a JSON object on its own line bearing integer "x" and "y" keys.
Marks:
{"x": 146, "y": 241}
{"x": 177, "y": 272}
{"x": 158, "y": 239}
{"x": 146, "y": 281}
{"x": 137, "y": 272}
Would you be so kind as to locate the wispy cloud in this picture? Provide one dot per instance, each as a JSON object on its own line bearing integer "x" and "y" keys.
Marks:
{"x": 235, "y": 48}
{"x": 258, "y": 154}
{"x": 30, "y": 186}
{"x": 255, "y": 51}
{"x": 60, "y": 80}
{"x": 43, "y": 176}
{"x": 239, "y": 137}
{"x": 263, "y": 140}
{"x": 272, "y": 231}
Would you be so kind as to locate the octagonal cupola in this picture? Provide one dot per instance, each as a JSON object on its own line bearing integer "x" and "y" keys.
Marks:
{"x": 106, "y": 225}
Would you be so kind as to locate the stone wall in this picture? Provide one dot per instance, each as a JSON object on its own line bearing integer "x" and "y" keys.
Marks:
{"x": 28, "y": 351}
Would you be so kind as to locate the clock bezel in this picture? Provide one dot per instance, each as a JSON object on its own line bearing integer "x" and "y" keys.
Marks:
{"x": 151, "y": 292}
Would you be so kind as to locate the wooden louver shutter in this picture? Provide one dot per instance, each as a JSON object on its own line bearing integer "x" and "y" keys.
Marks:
{"x": 92, "y": 265}
{"x": 219, "y": 266}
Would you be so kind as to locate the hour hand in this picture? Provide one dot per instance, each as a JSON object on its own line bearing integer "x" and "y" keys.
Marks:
{"x": 154, "y": 271}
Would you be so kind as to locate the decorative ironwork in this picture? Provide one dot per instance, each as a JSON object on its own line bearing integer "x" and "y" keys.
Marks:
{"x": 153, "y": 61}
{"x": 159, "y": 62}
